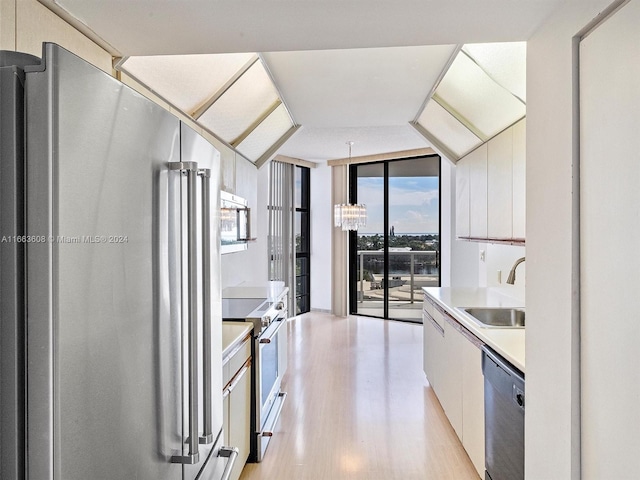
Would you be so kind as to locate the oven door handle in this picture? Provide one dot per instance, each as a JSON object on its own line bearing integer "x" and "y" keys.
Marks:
{"x": 272, "y": 336}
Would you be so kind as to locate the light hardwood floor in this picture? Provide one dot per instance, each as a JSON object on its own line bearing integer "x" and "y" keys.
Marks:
{"x": 359, "y": 407}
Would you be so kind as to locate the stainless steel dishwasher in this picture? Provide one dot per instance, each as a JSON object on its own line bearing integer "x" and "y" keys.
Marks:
{"x": 504, "y": 418}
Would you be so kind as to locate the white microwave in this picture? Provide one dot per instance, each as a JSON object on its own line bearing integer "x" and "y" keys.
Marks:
{"x": 235, "y": 229}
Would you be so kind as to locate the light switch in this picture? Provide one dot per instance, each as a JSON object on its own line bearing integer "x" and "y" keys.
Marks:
{"x": 482, "y": 255}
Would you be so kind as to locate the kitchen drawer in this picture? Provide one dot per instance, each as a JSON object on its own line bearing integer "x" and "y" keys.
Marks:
{"x": 427, "y": 307}
{"x": 236, "y": 360}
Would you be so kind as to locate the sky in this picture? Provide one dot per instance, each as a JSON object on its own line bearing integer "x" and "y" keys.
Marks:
{"x": 413, "y": 204}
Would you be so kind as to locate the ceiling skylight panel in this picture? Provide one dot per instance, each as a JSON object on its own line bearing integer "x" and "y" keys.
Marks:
{"x": 266, "y": 134}
{"x": 506, "y": 63}
{"x": 448, "y": 130}
{"x": 187, "y": 81}
{"x": 473, "y": 97}
{"x": 242, "y": 105}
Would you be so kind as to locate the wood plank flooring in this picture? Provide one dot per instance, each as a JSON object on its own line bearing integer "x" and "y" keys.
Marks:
{"x": 359, "y": 407}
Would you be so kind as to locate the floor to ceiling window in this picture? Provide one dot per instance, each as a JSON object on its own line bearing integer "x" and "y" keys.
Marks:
{"x": 302, "y": 195}
{"x": 398, "y": 252}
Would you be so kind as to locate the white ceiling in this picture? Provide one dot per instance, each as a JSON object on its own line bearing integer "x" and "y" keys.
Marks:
{"x": 329, "y": 59}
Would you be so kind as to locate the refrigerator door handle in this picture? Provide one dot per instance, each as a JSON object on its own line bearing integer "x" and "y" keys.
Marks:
{"x": 207, "y": 437}
{"x": 191, "y": 171}
{"x": 232, "y": 454}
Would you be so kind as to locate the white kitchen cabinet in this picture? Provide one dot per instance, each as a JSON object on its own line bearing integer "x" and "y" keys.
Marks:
{"x": 491, "y": 188}
{"x": 478, "y": 192}
{"x": 433, "y": 345}
{"x": 237, "y": 404}
{"x": 451, "y": 390}
{"x": 463, "y": 181}
{"x": 519, "y": 178}
{"x": 473, "y": 404}
{"x": 500, "y": 185}
{"x": 453, "y": 365}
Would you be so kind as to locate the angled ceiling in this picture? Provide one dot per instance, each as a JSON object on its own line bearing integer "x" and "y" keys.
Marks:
{"x": 357, "y": 87}
{"x": 150, "y": 27}
{"x": 346, "y": 70}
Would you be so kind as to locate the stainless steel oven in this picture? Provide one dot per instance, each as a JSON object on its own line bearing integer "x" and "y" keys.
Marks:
{"x": 268, "y": 314}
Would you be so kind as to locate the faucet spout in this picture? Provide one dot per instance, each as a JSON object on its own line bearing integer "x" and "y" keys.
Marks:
{"x": 512, "y": 274}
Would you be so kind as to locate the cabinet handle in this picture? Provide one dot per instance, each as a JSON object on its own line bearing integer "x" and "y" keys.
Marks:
{"x": 238, "y": 377}
{"x": 435, "y": 324}
{"x": 271, "y": 337}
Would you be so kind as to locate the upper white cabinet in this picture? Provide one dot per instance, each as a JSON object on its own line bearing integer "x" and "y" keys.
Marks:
{"x": 491, "y": 189}
{"x": 519, "y": 179}
{"x": 463, "y": 191}
{"x": 478, "y": 192}
{"x": 500, "y": 185}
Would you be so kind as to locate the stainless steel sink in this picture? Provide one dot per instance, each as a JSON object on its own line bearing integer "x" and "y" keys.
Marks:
{"x": 497, "y": 316}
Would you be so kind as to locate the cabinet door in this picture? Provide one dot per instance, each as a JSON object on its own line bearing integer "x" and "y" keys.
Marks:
{"x": 433, "y": 340}
{"x": 462, "y": 198}
{"x": 478, "y": 192}
{"x": 239, "y": 418}
{"x": 225, "y": 417}
{"x": 434, "y": 346}
{"x": 450, "y": 394}
{"x": 519, "y": 179}
{"x": 500, "y": 185}
{"x": 473, "y": 405}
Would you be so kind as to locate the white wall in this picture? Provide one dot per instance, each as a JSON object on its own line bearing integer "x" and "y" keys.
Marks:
{"x": 551, "y": 420}
{"x": 321, "y": 226}
{"x": 25, "y": 24}
{"x": 250, "y": 267}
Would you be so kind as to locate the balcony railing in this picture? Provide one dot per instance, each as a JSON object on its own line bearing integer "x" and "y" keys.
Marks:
{"x": 412, "y": 269}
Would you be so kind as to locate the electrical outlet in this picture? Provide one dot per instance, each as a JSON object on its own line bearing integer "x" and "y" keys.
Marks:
{"x": 482, "y": 255}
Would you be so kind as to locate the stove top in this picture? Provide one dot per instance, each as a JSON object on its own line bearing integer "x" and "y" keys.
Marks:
{"x": 253, "y": 304}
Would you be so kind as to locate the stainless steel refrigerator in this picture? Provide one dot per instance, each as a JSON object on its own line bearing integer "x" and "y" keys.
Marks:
{"x": 110, "y": 281}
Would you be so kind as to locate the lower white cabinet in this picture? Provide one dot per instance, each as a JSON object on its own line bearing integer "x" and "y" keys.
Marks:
{"x": 453, "y": 365}
{"x": 237, "y": 406}
{"x": 473, "y": 404}
{"x": 451, "y": 391}
{"x": 433, "y": 346}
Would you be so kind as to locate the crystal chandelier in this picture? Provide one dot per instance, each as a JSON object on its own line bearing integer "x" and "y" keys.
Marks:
{"x": 350, "y": 216}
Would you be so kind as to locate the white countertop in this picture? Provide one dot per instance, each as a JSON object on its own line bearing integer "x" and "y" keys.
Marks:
{"x": 233, "y": 333}
{"x": 508, "y": 342}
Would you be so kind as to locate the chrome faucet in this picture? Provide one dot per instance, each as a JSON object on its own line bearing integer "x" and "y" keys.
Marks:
{"x": 512, "y": 274}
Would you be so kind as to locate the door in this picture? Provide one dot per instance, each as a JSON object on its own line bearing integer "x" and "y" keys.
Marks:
{"x": 398, "y": 251}
{"x": 609, "y": 239}
{"x": 104, "y": 373}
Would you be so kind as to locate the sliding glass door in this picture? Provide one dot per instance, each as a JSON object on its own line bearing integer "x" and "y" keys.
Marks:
{"x": 398, "y": 252}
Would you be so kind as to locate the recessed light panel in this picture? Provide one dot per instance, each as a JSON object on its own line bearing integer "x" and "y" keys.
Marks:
{"x": 473, "y": 97}
{"x": 505, "y": 62}
{"x": 266, "y": 134}
{"x": 242, "y": 105}
{"x": 186, "y": 81}
{"x": 448, "y": 130}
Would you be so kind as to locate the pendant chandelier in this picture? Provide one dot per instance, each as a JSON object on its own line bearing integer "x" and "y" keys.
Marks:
{"x": 350, "y": 216}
